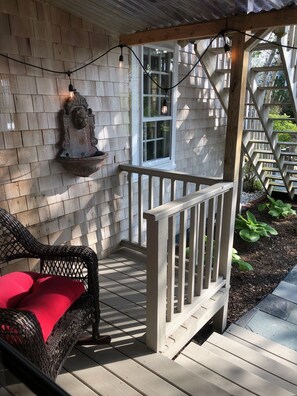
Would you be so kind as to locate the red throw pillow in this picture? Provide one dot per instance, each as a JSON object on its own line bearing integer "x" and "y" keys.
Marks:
{"x": 50, "y": 298}
{"x": 14, "y": 286}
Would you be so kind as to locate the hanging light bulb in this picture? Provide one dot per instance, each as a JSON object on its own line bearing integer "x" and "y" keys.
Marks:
{"x": 121, "y": 57}
{"x": 227, "y": 47}
{"x": 71, "y": 88}
{"x": 164, "y": 109}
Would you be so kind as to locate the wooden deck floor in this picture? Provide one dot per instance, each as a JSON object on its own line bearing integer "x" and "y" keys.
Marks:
{"x": 127, "y": 366}
{"x": 236, "y": 363}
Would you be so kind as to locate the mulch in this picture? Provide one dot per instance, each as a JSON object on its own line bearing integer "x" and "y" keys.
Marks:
{"x": 272, "y": 259}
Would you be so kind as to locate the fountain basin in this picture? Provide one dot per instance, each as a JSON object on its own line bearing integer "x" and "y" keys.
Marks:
{"x": 83, "y": 166}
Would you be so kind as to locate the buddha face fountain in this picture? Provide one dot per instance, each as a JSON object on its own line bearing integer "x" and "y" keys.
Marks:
{"x": 79, "y": 154}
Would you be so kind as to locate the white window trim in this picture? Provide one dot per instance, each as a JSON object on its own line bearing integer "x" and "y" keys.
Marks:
{"x": 137, "y": 110}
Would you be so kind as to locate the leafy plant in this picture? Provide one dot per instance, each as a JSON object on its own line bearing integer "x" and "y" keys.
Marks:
{"x": 251, "y": 230}
{"x": 237, "y": 260}
{"x": 283, "y": 125}
{"x": 277, "y": 208}
{"x": 251, "y": 182}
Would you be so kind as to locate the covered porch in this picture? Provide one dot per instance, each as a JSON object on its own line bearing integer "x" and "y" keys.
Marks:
{"x": 172, "y": 272}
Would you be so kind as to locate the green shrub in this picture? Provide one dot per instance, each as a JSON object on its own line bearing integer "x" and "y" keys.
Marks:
{"x": 277, "y": 208}
{"x": 251, "y": 230}
{"x": 283, "y": 125}
{"x": 237, "y": 260}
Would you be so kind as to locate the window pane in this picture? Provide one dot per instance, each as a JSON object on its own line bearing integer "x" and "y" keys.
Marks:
{"x": 157, "y": 134}
{"x": 156, "y": 140}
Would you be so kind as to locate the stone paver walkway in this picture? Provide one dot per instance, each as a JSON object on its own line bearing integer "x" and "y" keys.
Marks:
{"x": 275, "y": 317}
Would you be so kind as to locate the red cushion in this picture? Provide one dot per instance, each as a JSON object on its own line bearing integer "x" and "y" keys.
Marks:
{"x": 14, "y": 286}
{"x": 50, "y": 298}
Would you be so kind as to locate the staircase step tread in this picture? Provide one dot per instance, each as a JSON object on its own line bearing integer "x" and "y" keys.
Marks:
{"x": 286, "y": 131}
{"x": 277, "y": 185}
{"x": 250, "y": 360}
{"x": 211, "y": 376}
{"x": 292, "y": 163}
{"x": 264, "y": 46}
{"x": 226, "y": 70}
{"x": 273, "y": 87}
{"x": 231, "y": 371}
{"x": 281, "y": 119}
{"x": 263, "y": 345}
{"x": 253, "y": 130}
{"x": 267, "y": 68}
{"x": 277, "y": 104}
{"x": 263, "y": 151}
{"x": 287, "y": 143}
{"x": 273, "y": 177}
{"x": 291, "y": 153}
{"x": 268, "y": 161}
{"x": 270, "y": 169}
{"x": 258, "y": 141}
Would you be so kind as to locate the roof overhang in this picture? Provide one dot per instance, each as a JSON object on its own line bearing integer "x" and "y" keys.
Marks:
{"x": 248, "y": 22}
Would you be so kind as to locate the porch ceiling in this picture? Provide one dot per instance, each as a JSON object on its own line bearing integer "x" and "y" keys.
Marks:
{"x": 128, "y": 16}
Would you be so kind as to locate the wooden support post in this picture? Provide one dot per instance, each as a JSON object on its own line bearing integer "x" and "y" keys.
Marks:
{"x": 236, "y": 107}
{"x": 232, "y": 161}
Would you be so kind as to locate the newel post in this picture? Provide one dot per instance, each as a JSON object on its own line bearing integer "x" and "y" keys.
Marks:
{"x": 157, "y": 235}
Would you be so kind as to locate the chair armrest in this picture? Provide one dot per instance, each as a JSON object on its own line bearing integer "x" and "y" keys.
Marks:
{"x": 22, "y": 330}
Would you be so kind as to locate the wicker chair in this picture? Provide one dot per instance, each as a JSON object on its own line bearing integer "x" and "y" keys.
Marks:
{"x": 76, "y": 262}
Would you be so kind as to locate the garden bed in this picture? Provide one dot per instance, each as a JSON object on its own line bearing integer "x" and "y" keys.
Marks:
{"x": 272, "y": 258}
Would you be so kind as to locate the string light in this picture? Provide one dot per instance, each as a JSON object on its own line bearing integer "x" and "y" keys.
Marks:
{"x": 164, "y": 108}
{"x": 71, "y": 88}
{"x": 227, "y": 47}
{"x": 121, "y": 58}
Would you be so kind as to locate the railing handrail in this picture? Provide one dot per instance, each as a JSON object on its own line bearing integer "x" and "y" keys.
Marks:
{"x": 172, "y": 175}
{"x": 186, "y": 202}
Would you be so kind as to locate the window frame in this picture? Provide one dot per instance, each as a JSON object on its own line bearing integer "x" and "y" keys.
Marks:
{"x": 138, "y": 118}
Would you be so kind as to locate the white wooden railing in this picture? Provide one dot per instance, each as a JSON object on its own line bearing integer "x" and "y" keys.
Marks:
{"x": 177, "y": 286}
{"x": 149, "y": 188}
{"x": 188, "y": 241}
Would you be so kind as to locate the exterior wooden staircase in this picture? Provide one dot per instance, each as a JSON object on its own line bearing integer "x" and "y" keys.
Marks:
{"x": 274, "y": 161}
{"x": 243, "y": 363}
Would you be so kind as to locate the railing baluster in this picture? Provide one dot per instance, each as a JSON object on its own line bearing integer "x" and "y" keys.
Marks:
{"x": 218, "y": 233}
{"x": 181, "y": 262}
{"x": 171, "y": 268}
{"x": 209, "y": 244}
{"x": 201, "y": 249}
{"x": 130, "y": 198}
{"x": 192, "y": 252}
{"x": 161, "y": 191}
{"x": 150, "y": 193}
{"x": 140, "y": 209}
{"x": 173, "y": 190}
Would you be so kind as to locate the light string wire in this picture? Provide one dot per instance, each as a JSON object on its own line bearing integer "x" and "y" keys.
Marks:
{"x": 121, "y": 46}
{"x": 166, "y": 89}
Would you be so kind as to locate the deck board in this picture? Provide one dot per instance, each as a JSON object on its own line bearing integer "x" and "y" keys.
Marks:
{"x": 132, "y": 368}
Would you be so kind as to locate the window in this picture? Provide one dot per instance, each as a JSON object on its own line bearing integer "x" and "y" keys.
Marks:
{"x": 154, "y": 131}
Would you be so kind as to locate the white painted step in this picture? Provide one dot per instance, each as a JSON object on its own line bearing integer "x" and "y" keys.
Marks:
{"x": 267, "y": 368}
{"x": 263, "y": 345}
{"x": 245, "y": 380}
